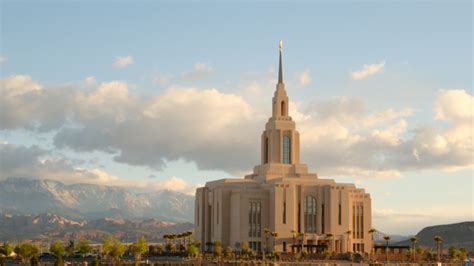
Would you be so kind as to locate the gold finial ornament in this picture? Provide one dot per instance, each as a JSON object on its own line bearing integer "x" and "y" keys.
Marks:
{"x": 281, "y": 45}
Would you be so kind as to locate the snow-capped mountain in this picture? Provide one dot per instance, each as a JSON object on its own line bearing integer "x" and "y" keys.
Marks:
{"x": 87, "y": 201}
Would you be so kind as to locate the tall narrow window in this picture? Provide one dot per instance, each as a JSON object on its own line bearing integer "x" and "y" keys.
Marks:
{"x": 197, "y": 213}
{"x": 255, "y": 218}
{"x": 284, "y": 212}
{"x": 266, "y": 150}
{"x": 283, "y": 108}
{"x": 340, "y": 215}
{"x": 299, "y": 218}
{"x": 357, "y": 222}
{"x": 361, "y": 221}
{"x": 353, "y": 222}
{"x": 309, "y": 214}
{"x": 322, "y": 218}
{"x": 286, "y": 150}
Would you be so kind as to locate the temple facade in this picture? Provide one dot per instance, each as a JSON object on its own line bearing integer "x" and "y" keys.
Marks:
{"x": 281, "y": 197}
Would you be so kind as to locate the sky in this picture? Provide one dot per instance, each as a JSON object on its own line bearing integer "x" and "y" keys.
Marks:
{"x": 161, "y": 95}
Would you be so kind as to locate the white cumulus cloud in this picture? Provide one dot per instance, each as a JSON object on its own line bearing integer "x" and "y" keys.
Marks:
{"x": 368, "y": 70}
{"x": 123, "y": 61}
{"x": 220, "y": 130}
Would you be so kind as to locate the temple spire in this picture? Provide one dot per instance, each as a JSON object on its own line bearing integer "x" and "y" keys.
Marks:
{"x": 280, "y": 71}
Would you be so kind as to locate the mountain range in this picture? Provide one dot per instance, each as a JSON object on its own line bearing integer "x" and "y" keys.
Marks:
{"x": 48, "y": 209}
{"x": 46, "y": 227}
{"x": 24, "y": 196}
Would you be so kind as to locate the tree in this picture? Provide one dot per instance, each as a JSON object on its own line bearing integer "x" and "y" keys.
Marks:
{"x": 83, "y": 247}
{"x": 438, "y": 240}
{"x": 413, "y": 240}
{"x": 302, "y": 241}
{"x": 27, "y": 251}
{"x": 294, "y": 240}
{"x": 193, "y": 249}
{"x": 107, "y": 243}
{"x": 462, "y": 253}
{"x": 218, "y": 249}
{"x": 71, "y": 248}
{"x": 267, "y": 233}
{"x": 6, "y": 249}
{"x": 244, "y": 247}
{"x": 159, "y": 249}
{"x": 420, "y": 251}
{"x": 139, "y": 248}
{"x": 117, "y": 249}
{"x": 274, "y": 237}
{"x": 348, "y": 233}
{"x": 371, "y": 232}
{"x": 58, "y": 250}
{"x": 330, "y": 237}
{"x": 387, "y": 238}
{"x": 454, "y": 253}
{"x": 228, "y": 252}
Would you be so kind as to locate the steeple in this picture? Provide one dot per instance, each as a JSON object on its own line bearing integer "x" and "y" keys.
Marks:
{"x": 280, "y": 99}
{"x": 280, "y": 71}
{"x": 280, "y": 140}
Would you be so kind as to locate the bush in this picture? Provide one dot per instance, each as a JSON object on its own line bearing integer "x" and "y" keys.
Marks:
{"x": 358, "y": 257}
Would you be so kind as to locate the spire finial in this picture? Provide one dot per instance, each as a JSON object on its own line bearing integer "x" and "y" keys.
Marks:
{"x": 280, "y": 71}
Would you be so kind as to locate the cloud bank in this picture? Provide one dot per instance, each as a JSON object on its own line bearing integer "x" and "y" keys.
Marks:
{"x": 220, "y": 131}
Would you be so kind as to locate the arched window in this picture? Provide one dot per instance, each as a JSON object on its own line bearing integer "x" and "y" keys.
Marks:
{"x": 309, "y": 214}
{"x": 283, "y": 108}
{"x": 286, "y": 150}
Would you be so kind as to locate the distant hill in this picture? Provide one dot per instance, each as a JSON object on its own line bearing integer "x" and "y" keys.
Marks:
{"x": 46, "y": 227}
{"x": 86, "y": 201}
{"x": 458, "y": 234}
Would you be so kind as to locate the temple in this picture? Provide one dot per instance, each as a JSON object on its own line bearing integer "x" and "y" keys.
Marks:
{"x": 281, "y": 201}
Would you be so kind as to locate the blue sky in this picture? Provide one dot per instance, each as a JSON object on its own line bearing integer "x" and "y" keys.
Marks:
{"x": 421, "y": 53}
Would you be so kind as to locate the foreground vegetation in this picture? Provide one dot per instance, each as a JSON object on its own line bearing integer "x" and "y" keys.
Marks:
{"x": 113, "y": 251}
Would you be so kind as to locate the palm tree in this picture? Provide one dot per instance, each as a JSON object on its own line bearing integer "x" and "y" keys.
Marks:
{"x": 371, "y": 232}
{"x": 267, "y": 232}
{"x": 187, "y": 234}
{"x": 294, "y": 239}
{"x": 438, "y": 240}
{"x": 387, "y": 238}
{"x": 413, "y": 240}
{"x": 330, "y": 237}
{"x": 302, "y": 241}
{"x": 173, "y": 238}
{"x": 348, "y": 233}
{"x": 274, "y": 236}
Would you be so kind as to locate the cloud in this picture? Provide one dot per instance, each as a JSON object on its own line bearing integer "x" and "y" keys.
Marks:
{"x": 90, "y": 80}
{"x": 3, "y": 58}
{"x": 220, "y": 131}
{"x": 123, "y": 61}
{"x": 368, "y": 70}
{"x": 200, "y": 71}
{"x": 304, "y": 78}
{"x": 36, "y": 163}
